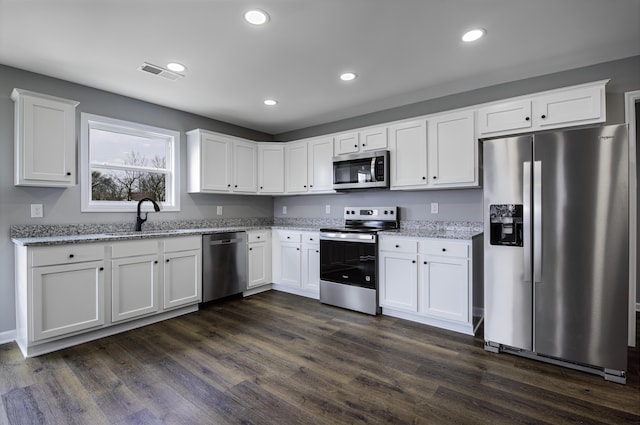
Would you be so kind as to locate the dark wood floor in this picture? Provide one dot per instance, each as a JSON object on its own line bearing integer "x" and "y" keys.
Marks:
{"x": 276, "y": 358}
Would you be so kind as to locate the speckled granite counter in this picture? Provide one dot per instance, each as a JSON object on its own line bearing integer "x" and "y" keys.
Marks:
{"x": 35, "y": 235}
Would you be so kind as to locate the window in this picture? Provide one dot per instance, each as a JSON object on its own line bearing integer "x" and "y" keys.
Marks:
{"x": 122, "y": 162}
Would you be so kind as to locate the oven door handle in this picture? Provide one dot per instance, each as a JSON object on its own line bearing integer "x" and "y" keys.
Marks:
{"x": 347, "y": 237}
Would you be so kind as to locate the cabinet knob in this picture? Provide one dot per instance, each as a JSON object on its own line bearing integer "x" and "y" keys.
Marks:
{"x": 364, "y": 144}
{"x": 444, "y": 249}
{"x": 310, "y": 185}
{"x": 355, "y": 146}
{"x": 257, "y": 237}
{"x": 527, "y": 118}
{"x": 297, "y": 249}
{"x": 424, "y": 178}
{"x": 101, "y": 268}
{"x": 317, "y": 250}
{"x": 167, "y": 260}
{"x": 424, "y": 262}
{"x": 229, "y": 185}
{"x": 250, "y": 249}
{"x": 305, "y": 185}
{"x": 288, "y": 237}
{"x": 71, "y": 255}
{"x": 434, "y": 177}
{"x": 235, "y": 186}
{"x": 543, "y": 116}
{"x": 261, "y": 188}
{"x": 413, "y": 261}
{"x": 156, "y": 262}
{"x": 397, "y": 246}
{"x": 310, "y": 239}
{"x": 68, "y": 173}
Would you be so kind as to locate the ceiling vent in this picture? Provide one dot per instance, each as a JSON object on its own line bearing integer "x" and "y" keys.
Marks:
{"x": 160, "y": 72}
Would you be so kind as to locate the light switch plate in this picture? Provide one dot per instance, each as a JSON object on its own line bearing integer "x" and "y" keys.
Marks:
{"x": 37, "y": 211}
{"x": 327, "y": 209}
{"x": 284, "y": 209}
{"x": 434, "y": 208}
{"x": 219, "y": 210}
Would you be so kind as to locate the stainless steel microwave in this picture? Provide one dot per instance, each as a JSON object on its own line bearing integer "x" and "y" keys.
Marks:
{"x": 361, "y": 170}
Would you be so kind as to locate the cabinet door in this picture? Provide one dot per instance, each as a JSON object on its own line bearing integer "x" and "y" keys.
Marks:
{"x": 373, "y": 139}
{"x": 270, "y": 169}
{"x": 320, "y": 166}
{"x": 66, "y": 299}
{"x": 215, "y": 163}
{"x": 134, "y": 287}
{"x": 399, "y": 281}
{"x": 505, "y": 117}
{"x": 290, "y": 261}
{"x": 296, "y": 167}
{"x": 452, "y": 149}
{"x": 347, "y": 143}
{"x": 409, "y": 154}
{"x": 245, "y": 167}
{"x": 45, "y": 141}
{"x": 570, "y": 107}
{"x": 311, "y": 267}
{"x": 182, "y": 278}
{"x": 444, "y": 288}
{"x": 259, "y": 259}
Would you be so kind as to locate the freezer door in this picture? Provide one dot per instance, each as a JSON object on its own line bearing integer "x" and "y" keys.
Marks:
{"x": 581, "y": 241}
{"x": 508, "y": 291}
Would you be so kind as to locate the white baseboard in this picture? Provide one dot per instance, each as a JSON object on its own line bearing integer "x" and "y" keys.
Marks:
{"x": 7, "y": 336}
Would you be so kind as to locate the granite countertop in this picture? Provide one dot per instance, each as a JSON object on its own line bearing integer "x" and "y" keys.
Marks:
{"x": 42, "y": 235}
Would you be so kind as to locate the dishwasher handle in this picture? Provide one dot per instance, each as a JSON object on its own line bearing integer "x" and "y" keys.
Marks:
{"x": 225, "y": 241}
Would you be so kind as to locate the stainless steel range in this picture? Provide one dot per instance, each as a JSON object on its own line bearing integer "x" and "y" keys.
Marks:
{"x": 349, "y": 258}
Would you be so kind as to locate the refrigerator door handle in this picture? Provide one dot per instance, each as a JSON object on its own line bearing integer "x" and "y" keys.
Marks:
{"x": 526, "y": 218}
{"x": 537, "y": 221}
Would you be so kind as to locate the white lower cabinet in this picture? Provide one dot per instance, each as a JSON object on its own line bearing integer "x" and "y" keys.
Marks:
{"x": 73, "y": 293}
{"x": 294, "y": 271}
{"x": 182, "y": 271}
{"x": 432, "y": 281}
{"x": 259, "y": 259}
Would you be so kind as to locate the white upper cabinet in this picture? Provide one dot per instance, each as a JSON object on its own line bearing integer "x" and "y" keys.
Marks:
{"x": 245, "y": 167}
{"x": 45, "y": 140}
{"x": 309, "y": 166}
{"x": 566, "y": 107}
{"x": 295, "y": 156}
{"x": 219, "y": 163}
{"x": 320, "y": 164}
{"x": 453, "y": 150}
{"x": 408, "y": 146}
{"x": 370, "y": 139}
{"x": 271, "y": 168}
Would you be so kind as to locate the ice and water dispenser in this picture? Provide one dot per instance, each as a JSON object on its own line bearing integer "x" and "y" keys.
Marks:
{"x": 506, "y": 224}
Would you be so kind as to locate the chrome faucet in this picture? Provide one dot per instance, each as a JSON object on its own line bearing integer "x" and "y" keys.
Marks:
{"x": 139, "y": 219}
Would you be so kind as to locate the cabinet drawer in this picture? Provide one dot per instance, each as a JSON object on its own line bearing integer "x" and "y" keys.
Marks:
{"x": 258, "y": 236}
{"x": 183, "y": 244}
{"x": 134, "y": 248}
{"x": 399, "y": 245}
{"x": 73, "y": 253}
{"x": 445, "y": 248}
{"x": 288, "y": 236}
{"x": 311, "y": 238}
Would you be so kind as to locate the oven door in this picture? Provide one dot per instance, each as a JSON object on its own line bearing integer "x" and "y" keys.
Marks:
{"x": 349, "y": 258}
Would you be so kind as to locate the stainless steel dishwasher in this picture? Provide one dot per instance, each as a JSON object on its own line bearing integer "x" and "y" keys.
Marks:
{"x": 224, "y": 264}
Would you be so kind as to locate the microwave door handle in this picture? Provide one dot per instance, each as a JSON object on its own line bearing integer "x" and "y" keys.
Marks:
{"x": 373, "y": 169}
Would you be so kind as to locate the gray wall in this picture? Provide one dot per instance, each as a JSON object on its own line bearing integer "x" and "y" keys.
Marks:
{"x": 63, "y": 205}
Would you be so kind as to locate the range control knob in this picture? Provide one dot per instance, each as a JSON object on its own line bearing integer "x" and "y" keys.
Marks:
{"x": 348, "y": 212}
{"x": 386, "y": 212}
{"x": 392, "y": 212}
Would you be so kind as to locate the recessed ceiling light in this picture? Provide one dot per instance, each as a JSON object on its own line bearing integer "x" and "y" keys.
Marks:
{"x": 256, "y": 17}
{"x": 176, "y": 67}
{"x": 270, "y": 102}
{"x": 348, "y": 76}
{"x": 473, "y": 35}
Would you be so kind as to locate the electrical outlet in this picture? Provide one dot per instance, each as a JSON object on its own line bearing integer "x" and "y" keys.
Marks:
{"x": 434, "y": 208}
{"x": 284, "y": 209}
{"x": 327, "y": 209}
{"x": 37, "y": 211}
{"x": 219, "y": 210}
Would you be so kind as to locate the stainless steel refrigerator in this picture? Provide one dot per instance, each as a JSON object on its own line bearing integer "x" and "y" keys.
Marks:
{"x": 556, "y": 216}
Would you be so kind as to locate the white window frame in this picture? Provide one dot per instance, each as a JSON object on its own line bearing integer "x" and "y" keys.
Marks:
{"x": 89, "y": 121}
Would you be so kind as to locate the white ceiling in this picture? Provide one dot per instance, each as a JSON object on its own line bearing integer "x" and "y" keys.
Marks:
{"x": 404, "y": 51}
